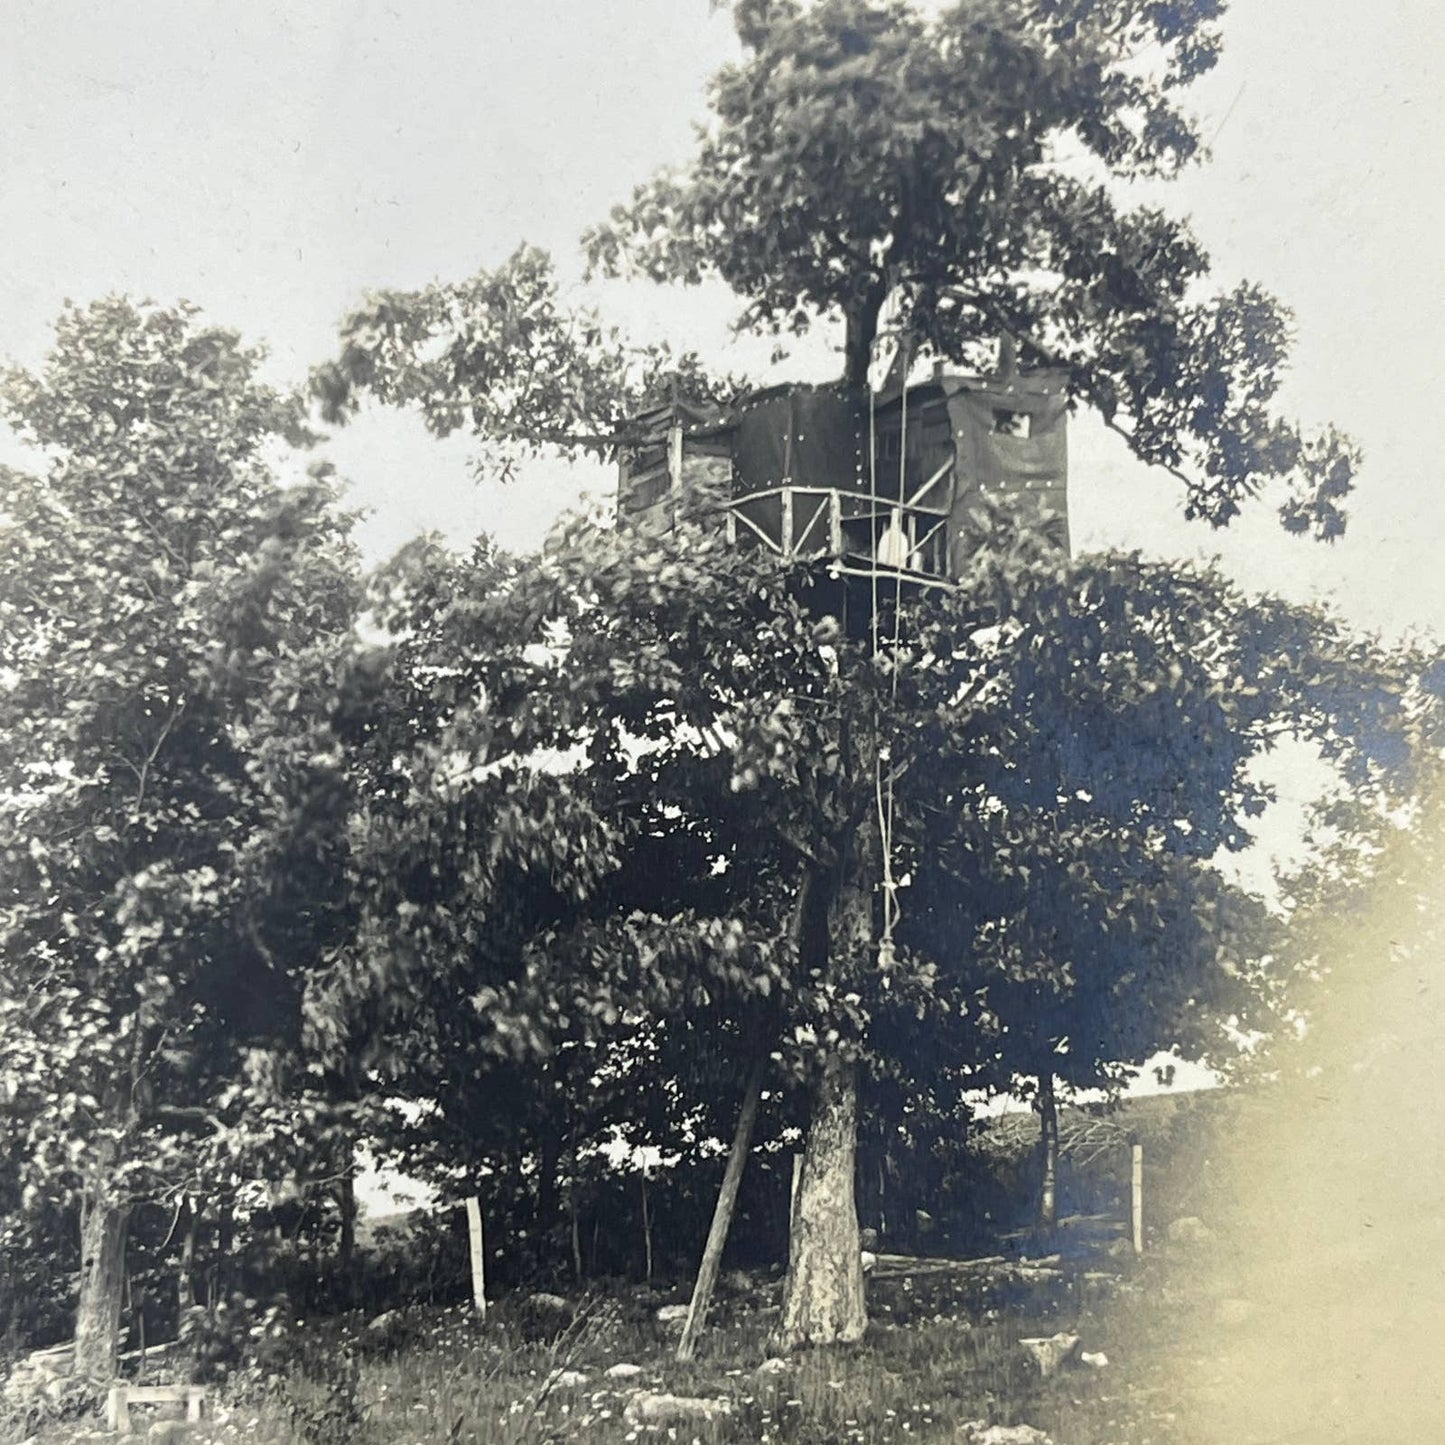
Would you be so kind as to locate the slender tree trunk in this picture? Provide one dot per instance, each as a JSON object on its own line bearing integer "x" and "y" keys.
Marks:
{"x": 346, "y": 1242}
{"x": 103, "y": 1227}
{"x": 186, "y": 1270}
{"x": 823, "y": 1297}
{"x": 218, "y": 1276}
{"x": 572, "y": 1214}
{"x": 549, "y": 1160}
{"x": 1047, "y": 1105}
{"x": 346, "y": 1207}
{"x": 525, "y": 1209}
{"x": 883, "y": 1191}
{"x": 646, "y": 1231}
{"x": 722, "y": 1215}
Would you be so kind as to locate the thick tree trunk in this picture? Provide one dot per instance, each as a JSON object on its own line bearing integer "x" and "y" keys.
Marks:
{"x": 722, "y": 1215}
{"x": 1047, "y": 1105}
{"x": 103, "y": 1226}
{"x": 823, "y": 1296}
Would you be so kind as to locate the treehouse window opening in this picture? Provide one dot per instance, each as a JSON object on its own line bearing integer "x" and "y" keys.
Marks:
{"x": 1013, "y": 423}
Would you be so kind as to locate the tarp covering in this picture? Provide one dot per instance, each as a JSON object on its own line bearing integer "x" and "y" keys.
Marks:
{"x": 1028, "y": 473}
{"x": 801, "y": 436}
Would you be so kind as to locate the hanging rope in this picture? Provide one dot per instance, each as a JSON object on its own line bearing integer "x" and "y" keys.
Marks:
{"x": 893, "y": 538}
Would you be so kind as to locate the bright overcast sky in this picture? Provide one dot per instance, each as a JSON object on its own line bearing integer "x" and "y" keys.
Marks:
{"x": 270, "y": 161}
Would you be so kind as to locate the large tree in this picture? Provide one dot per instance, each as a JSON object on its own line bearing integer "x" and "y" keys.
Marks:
{"x": 175, "y": 627}
{"x": 862, "y": 150}
{"x": 650, "y": 787}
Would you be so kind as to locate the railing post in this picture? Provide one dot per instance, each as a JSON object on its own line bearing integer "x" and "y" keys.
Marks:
{"x": 835, "y": 523}
{"x": 786, "y": 537}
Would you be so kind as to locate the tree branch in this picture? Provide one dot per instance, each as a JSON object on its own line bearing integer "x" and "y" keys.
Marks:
{"x": 1052, "y": 358}
{"x": 143, "y": 772}
{"x": 188, "y": 1114}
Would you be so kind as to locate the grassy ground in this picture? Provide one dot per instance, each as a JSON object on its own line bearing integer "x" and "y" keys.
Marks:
{"x": 942, "y": 1350}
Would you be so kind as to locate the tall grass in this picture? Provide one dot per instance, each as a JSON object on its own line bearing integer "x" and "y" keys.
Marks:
{"x": 942, "y": 1350}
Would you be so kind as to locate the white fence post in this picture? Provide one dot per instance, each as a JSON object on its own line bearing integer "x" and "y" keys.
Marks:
{"x": 479, "y": 1258}
{"x": 1136, "y": 1196}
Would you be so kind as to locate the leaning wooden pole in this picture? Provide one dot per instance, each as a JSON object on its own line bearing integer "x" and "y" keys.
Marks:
{"x": 722, "y": 1215}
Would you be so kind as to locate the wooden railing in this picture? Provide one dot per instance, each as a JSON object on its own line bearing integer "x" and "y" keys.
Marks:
{"x": 859, "y": 532}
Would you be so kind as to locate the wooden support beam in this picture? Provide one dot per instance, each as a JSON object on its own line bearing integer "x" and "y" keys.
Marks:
{"x": 722, "y": 1215}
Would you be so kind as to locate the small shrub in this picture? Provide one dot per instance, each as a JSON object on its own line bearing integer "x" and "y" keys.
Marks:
{"x": 217, "y": 1343}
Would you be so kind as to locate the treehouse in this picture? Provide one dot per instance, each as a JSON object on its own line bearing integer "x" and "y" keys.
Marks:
{"x": 872, "y": 490}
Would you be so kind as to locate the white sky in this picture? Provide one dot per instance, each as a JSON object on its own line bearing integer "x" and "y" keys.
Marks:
{"x": 269, "y": 161}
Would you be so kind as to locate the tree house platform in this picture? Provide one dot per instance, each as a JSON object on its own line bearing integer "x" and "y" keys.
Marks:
{"x": 865, "y": 488}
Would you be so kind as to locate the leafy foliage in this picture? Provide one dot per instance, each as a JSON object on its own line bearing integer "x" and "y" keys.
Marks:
{"x": 864, "y": 149}
{"x": 646, "y": 777}
{"x": 175, "y": 626}
{"x": 502, "y": 355}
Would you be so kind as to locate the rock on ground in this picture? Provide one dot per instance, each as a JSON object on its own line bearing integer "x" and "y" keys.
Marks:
{"x": 975, "y": 1432}
{"x": 1189, "y": 1230}
{"x": 168, "y": 1432}
{"x": 622, "y": 1371}
{"x": 661, "y": 1409}
{"x": 34, "y": 1373}
{"x": 1050, "y": 1352}
{"x": 771, "y": 1378}
{"x": 672, "y": 1314}
{"x": 566, "y": 1380}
